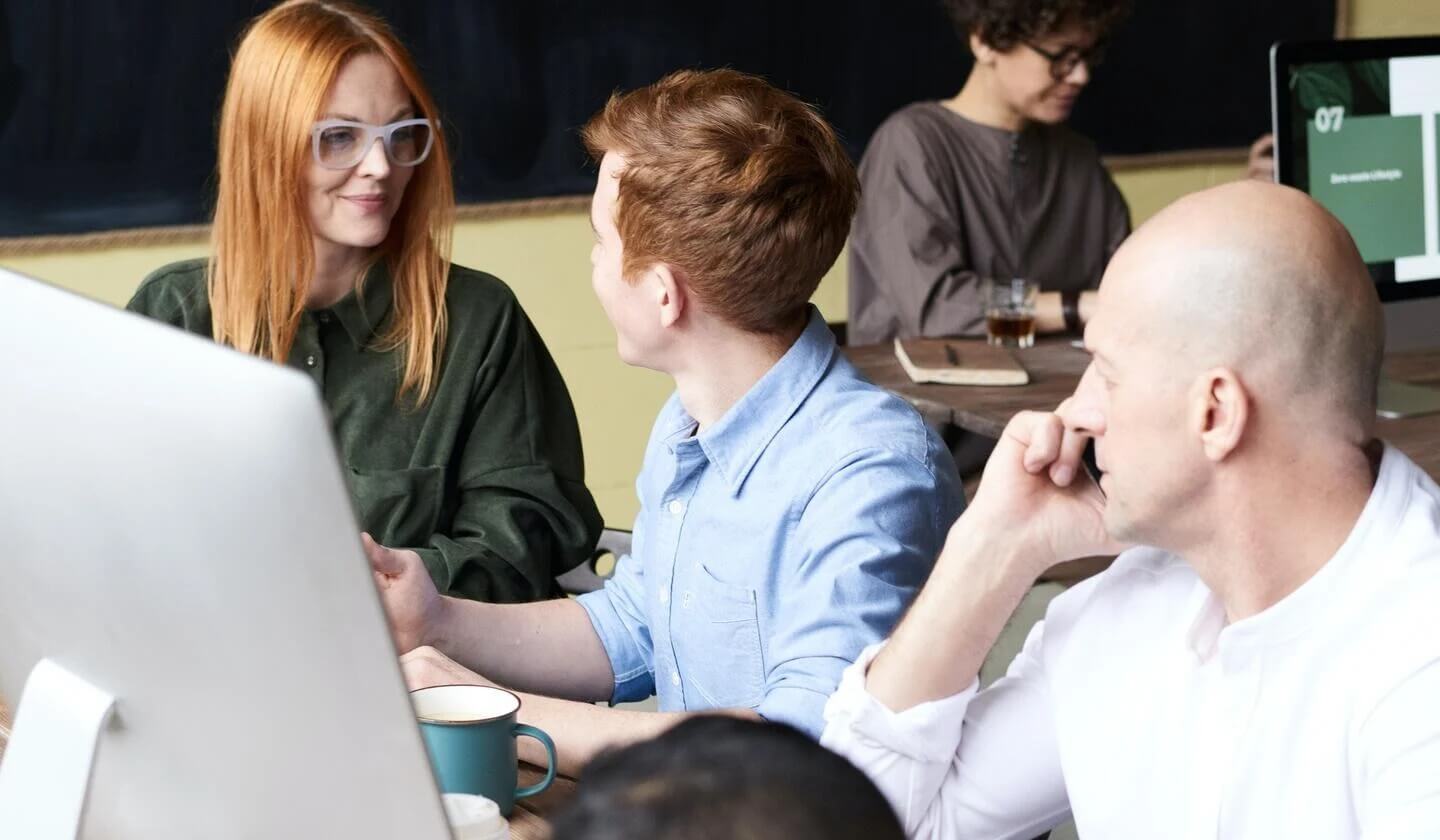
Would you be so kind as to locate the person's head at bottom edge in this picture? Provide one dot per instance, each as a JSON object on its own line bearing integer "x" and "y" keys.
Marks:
{"x": 716, "y": 777}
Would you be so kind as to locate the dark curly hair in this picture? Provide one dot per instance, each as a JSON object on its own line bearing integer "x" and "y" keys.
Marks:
{"x": 714, "y": 777}
{"x": 1004, "y": 23}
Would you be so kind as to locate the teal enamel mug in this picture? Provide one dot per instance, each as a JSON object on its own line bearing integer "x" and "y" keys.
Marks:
{"x": 470, "y": 733}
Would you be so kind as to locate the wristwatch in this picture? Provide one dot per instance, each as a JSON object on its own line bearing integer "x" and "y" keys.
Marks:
{"x": 1070, "y": 308}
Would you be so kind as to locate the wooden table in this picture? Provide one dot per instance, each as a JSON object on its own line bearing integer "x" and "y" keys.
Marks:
{"x": 528, "y": 822}
{"x": 1055, "y": 367}
{"x": 1418, "y": 437}
{"x": 530, "y": 819}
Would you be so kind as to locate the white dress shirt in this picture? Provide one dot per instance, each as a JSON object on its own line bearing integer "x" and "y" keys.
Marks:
{"x": 1135, "y": 707}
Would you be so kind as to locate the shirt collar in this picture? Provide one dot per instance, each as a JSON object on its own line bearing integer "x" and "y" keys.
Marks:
{"x": 362, "y": 312}
{"x": 1002, "y": 147}
{"x": 737, "y": 440}
{"x": 1349, "y": 571}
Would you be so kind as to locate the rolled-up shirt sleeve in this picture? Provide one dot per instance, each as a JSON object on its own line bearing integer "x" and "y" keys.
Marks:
{"x": 977, "y": 765}
{"x": 870, "y": 533}
{"x": 523, "y": 513}
{"x": 617, "y": 613}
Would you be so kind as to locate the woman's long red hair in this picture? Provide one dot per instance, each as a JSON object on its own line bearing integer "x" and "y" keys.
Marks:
{"x": 262, "y": 254}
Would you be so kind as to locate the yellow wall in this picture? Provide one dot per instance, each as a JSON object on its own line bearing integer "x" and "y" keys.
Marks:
{"x": 546, "y": 260}
{"x": 1385, "y": 18}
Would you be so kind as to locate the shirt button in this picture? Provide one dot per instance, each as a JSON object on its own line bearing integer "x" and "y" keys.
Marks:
{"x": 677, "y": 507}
{"x": 310, "y": 360}
{"x": 324, "y": 317}
{"x": 664, "y": 596}
{"x": 674, "y": 677}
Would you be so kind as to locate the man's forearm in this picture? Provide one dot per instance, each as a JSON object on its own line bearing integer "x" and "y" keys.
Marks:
{"x": 1049, "y": 315}
{"x": 548, "y": 647}
{"x": 581, "y": 730}
{"x": 937, "y": 650}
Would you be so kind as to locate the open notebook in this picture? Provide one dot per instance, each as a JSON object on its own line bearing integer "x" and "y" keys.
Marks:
{"x": 959, "y": 362}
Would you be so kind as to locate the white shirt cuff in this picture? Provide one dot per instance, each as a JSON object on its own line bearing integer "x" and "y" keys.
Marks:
{"x": 928, "y": 732}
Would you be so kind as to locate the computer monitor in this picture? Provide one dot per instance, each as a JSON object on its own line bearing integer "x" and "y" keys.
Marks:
{"x": 184, "y": 597}
{"x": 1356, "y": 125}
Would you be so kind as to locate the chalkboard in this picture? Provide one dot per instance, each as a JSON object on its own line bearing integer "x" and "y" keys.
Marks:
{"x": 108, "y": 107}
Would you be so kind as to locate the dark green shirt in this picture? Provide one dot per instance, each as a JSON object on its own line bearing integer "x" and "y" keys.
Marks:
{"x": 486, "y": 479}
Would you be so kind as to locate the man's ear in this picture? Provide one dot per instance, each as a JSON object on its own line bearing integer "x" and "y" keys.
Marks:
{"x": 1220, "y": 412}
{"x": 671, "y": 295}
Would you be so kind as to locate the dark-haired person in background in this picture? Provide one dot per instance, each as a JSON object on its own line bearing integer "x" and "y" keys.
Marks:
{"x": 990, "y": 183}
{"x": 717, "y": 777}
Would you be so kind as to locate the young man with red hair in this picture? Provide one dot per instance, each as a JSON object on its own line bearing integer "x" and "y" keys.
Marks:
{"x": 789, "y": 509}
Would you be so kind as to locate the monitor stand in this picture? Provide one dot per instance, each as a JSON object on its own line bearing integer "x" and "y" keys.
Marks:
{"x": 46, "y": 772}
{"x": 1402, "y": 399}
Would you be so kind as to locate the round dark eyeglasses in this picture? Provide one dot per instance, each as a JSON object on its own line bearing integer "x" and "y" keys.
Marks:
{"x": 1064, "y": 62}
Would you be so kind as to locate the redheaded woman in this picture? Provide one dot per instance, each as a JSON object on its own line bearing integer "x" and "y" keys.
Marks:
{"x": 331, "y": 254}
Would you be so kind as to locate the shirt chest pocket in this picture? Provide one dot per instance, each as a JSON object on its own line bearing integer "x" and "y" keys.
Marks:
{"x": 400, "y": 508}
{"x": 722, "y": 630}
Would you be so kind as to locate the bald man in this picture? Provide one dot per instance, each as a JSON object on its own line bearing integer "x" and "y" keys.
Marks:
{"x": 1265, "y": 660}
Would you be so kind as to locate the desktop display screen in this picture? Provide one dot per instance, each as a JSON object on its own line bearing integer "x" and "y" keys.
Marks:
{"x": 1356, "y": 126}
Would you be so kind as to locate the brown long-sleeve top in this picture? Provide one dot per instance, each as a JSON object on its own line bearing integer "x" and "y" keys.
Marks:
{"x": 946, "y": 201}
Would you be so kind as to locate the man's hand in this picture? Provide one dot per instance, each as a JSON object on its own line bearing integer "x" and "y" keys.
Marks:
{"x": 412, "y": 604}
{"x": 1261, "y": 164}
{"x": 1035, "y": 496}
{"x": 426, "y": 666}
{"x": 1035, "y": 507}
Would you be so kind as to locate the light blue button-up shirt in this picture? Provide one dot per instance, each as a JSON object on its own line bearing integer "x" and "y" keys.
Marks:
{"x": 774, "y": 546}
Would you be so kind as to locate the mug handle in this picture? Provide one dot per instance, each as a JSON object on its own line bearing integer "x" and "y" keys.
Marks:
{"x": 549, "y": 745}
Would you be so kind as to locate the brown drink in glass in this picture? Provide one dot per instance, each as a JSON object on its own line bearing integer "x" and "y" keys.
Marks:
{"x": 1010, "y": 312}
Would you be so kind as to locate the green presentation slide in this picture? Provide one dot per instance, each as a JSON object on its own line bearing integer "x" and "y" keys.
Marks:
{"x": 1368, "y": 171}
